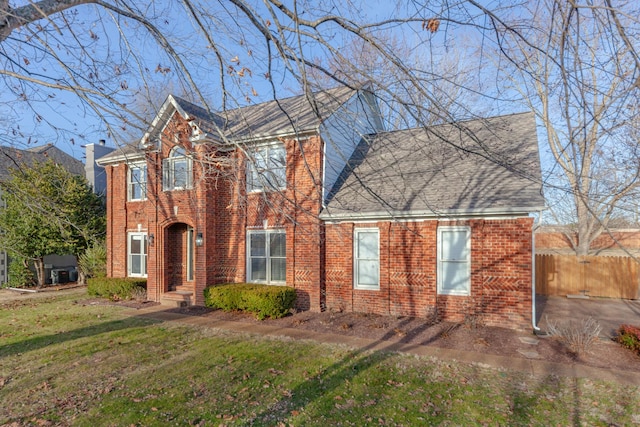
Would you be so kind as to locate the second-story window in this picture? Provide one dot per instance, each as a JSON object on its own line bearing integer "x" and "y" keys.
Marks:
{"x": 267, "y": 168}
{"x": 177, "y": 170}
{"x": 137, "y": 181}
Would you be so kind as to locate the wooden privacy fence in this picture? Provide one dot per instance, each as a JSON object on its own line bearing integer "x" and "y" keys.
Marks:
{"x": 596, "y": 276}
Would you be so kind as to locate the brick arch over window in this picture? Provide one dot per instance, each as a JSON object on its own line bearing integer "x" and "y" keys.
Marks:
{"x": 177, "y": 170}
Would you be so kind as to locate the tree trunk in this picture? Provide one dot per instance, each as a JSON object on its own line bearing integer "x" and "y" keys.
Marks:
{"x": 38, "y": 263}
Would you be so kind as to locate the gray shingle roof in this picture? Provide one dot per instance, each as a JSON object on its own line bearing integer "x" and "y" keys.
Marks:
{"x": 12, "y": 158}
{"x": 300, "y": 113}
{"x": 128, "y": 152}
{"x": 479, "y": 166}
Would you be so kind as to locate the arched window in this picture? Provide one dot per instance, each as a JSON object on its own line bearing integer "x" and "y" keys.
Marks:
{"x": 177, "y": 170}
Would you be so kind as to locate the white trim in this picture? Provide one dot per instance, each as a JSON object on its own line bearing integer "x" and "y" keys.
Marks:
{"x": 440, "y": 261}
{"x": 266, "y": 138}
{"x": 168, "y": 170}
{"x": 356, "y": 259}
{"x": 144, "y": 255}
{"x": 267, "y": 233}
{"x": 133, "y": 157}
{"x": 191, "y": 255}
{"x": 250, "y": 167}
{"x": 137, "y": 165}
{"x": 418, "y": 215}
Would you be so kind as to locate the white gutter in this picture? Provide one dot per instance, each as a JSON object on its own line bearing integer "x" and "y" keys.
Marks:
{"x": 533, "y": 275}
{"x": 131, "y": 157}
{"x": 399, "y": 215}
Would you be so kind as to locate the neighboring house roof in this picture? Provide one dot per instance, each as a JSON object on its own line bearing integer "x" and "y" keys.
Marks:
{"x": 12, "y": 158}
{"x": 484, "y": 166}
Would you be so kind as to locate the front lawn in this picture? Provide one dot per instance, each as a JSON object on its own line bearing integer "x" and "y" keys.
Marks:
{"x": 65, "y": 363}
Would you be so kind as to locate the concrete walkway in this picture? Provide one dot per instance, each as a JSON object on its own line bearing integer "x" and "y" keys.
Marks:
{"x": 533, "y": 367}
{"x": 610, "y": 313}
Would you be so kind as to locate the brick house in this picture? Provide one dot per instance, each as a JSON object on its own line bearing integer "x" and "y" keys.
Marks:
{"x": 309, "y": 191}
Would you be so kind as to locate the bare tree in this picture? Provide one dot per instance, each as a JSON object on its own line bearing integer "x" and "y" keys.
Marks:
{"x": 577, "y": 69}
{"x": 579, "y": 62}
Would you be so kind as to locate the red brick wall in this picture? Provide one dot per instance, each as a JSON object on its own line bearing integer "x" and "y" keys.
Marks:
{"x": 500, "y": 266}
{"x": 219, "y": 208}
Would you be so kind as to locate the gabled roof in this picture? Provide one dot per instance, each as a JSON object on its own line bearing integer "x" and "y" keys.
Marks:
{"x": 294, "y": 115}
{"x": 289, "y": 116}
{"x": 477, "y": 167}
{"x": 12, "y": 158}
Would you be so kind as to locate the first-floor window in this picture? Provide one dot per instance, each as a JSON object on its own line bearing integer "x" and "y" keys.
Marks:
{"x": 137, "y": 254}
{"x": 366, "y": 257}
{"x": 454, "y": 260}
{"x": 267, "y": 255}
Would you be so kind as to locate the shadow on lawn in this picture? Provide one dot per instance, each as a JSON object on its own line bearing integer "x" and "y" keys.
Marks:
{"x": 522, "y": 404}
{"x": 39, "y": 342}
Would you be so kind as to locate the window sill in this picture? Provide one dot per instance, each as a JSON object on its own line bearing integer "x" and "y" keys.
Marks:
{"x": 270, "y": 190}
{"x": 454, "y": 294}
{"x": 177, "y": 189}
{"x": 366, "y": 288}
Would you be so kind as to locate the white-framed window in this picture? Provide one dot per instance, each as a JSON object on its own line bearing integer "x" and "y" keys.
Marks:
{"x": 366, "y": 258}
{"x": 137, "y": 255}
{"x": 137, "y": 181}
{"x": 454, "y": 260}
{"x": 267, "y": 168}
{"x": 177, "y": 170}
{"x": 267, "y": 256}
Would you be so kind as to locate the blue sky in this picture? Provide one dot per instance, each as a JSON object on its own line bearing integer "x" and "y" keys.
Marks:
{"x": 34, "y": 115}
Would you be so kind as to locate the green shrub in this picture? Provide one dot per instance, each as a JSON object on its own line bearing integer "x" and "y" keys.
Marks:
{"x": 261, "y": 300}
{"x": 629, "y": 336}
{"x": 20, "y": 275}
{"x": 93, "y": 261}
{"x": 115, "y": 288}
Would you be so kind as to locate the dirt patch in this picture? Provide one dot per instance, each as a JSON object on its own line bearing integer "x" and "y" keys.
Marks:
{"x": 457, "y": 336}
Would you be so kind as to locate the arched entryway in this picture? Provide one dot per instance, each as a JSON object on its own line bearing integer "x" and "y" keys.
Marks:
{"x": 179, "y": 258}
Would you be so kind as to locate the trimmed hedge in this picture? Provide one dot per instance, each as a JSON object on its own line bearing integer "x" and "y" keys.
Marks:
{"x": 261, "y": 300}
{"x": 115, "y": 288}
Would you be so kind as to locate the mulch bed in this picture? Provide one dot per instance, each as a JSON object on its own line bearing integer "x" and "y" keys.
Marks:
{"x": 603, "y": 353}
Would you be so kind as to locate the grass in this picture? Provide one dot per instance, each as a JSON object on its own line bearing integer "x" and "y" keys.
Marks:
{"x": 65, "y": 363}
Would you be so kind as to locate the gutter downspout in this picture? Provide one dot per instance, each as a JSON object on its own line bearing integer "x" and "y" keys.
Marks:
{"x": 533, "y": 275}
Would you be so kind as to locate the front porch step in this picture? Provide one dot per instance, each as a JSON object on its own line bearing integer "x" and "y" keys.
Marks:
{"x": 176, "y": 299}
{"x": 183, "y": 288}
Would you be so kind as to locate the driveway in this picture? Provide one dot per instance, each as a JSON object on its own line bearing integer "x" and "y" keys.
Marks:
{"x": 610, "y": 313}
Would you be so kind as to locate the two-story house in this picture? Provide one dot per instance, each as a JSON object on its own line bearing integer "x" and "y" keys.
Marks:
{"x": 312, "y": 193}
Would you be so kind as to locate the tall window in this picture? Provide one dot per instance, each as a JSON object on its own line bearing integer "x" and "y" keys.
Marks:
{"x": 454, "y": 260}
{"x": 137, "y": 254}
{"x": 137, "y": 181}
{"x": 366, "y": 258}
{"x": 267, "y": 255}
{"x": 267, "y": 168}
{"x": 177, "y": 170}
